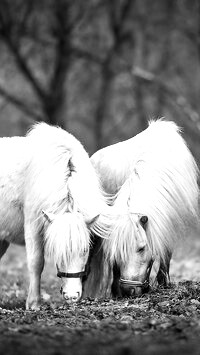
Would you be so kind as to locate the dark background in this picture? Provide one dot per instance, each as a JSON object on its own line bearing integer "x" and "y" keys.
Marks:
{"x": 100, "y": 68}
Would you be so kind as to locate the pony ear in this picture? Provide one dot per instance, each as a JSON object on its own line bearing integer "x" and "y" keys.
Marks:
{"x": 49, "y": 217}
{"x": 92, "y": 220}
{"x": 143, "y": 221}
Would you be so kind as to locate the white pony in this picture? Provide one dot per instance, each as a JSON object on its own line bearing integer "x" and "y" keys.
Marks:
{"x": 154, "y": 176}
{"x": 50, "y": 199}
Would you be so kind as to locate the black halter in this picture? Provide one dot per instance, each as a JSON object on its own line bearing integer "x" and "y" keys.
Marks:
{"x": 81, "y": 274}
{"x": 72, "y": 274}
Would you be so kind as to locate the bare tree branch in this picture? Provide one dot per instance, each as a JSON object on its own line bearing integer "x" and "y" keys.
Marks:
{"x": 20, "y": 105}
{"x": 84, "y": 54}
{"x": 165, "y": 51}
{"x": 179, "y": 100}
{"x": 117, "y": 16}
{"x": 25, "y": 69}
{"x": 7, "y": 26}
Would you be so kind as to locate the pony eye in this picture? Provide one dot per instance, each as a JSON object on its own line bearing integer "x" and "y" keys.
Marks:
{"x": 143, "y": 220}
{"x": 141, "y": 250}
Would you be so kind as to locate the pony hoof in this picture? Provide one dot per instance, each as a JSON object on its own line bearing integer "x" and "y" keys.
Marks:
{"x": 33, "y": 306}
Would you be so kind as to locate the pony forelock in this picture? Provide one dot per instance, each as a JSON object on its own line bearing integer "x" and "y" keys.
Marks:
{"x": 120, "y": 249}
{"x": 67, "y": 238}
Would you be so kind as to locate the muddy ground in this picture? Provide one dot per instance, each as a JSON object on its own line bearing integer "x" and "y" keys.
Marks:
{"x": 164, "y": 321}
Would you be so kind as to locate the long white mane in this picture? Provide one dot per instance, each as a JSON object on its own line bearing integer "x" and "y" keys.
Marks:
{"x": 60, "y": 179}
{"x": 159, "y": 180}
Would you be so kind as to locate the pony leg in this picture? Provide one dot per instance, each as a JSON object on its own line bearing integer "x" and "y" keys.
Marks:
{"x": 3, "y": 247}
{"x": 163, "y": 277}
{"x": 115, "y": 289}
{"x": 35, "y": 261}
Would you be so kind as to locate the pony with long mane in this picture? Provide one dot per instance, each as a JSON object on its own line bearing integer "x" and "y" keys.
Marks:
{"x": 154, "y": 177}
{"x": 50, "y": 200}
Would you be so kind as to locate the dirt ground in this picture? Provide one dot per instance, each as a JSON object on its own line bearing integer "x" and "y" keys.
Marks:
{"x": 164, "y": 321}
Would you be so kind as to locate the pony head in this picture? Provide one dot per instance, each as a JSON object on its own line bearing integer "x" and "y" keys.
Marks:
{"x": 131, "y": 254}
{"x": 67, "y": 240}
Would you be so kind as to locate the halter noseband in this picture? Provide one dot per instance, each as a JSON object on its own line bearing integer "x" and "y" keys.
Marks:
{"x": 133, "y": 284}
{"x": 72, "y": 274}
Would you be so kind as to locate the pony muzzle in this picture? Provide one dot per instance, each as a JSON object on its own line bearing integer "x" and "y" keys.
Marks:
{"x": 66, "y": 292}
{"x": 70, "y": 297}
{"x": 136, "y": 287}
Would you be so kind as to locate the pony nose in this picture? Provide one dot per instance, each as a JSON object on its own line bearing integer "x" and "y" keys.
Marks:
{"x": 71, "y": 299}
{"x": 128, "y": 291}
